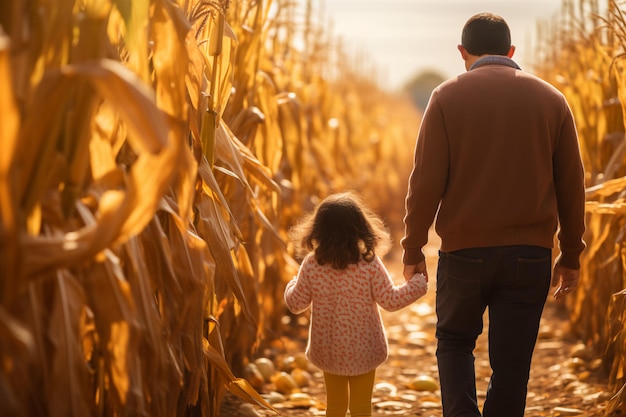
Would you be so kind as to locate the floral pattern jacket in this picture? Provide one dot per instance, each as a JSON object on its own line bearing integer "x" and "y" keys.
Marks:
{"x": 346, "y": 335}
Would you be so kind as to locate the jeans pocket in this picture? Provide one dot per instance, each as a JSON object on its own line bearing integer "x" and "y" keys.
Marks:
{"x": 532, "y": 280}
{"x": 461, "y": 275}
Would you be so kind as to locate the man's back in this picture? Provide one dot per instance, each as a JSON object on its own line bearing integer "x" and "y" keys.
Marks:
{"x": 499, "y": 129}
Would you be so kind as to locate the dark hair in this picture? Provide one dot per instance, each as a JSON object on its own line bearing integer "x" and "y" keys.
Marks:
{"x": 341, "y": 230}
{"x": 486, "y": 34}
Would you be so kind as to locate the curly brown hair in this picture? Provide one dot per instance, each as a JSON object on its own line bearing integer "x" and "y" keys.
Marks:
{"x": 341, "y": 230}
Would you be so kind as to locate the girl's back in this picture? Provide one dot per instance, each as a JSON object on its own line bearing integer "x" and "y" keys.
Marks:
{"x": 347, "y": 336}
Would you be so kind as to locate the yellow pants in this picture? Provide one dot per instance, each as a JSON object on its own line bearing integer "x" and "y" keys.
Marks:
{"x": 349, "y": 392}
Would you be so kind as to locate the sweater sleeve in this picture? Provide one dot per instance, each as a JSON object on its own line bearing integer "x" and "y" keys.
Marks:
{"x": 427, "y": 182}
{"x": 569, "y": 183}
{"x": 394, "y": 297}
{"x": 298, "y": 294}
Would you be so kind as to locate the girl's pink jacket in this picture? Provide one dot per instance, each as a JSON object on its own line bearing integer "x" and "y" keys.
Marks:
{"x": 347, "y": 336}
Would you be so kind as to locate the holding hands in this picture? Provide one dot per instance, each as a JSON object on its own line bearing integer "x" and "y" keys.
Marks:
{"x": 410, "y": 270}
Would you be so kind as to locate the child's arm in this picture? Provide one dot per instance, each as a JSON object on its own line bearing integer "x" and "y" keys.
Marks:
{"x": 298, "y": 294}
{"x": 394, "y": 297}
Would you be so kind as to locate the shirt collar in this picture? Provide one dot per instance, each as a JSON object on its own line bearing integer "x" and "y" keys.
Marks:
{"x": 494, "y": 59}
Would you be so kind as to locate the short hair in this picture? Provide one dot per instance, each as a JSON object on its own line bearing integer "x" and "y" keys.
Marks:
{"x": 486, "y": 34}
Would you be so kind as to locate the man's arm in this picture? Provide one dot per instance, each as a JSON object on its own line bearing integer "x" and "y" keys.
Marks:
{"x": 569, "y": 184}
{"x": 427, "y": 182}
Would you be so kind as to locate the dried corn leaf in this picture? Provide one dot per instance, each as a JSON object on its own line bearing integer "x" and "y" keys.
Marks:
{"x": 70, "y": 393}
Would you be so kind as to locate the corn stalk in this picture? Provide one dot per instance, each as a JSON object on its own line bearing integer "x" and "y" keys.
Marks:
{"x": 584, "y": 57}
{"x": 154, "y": 154}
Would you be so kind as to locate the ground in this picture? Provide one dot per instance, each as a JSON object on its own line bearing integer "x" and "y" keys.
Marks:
{"x": 566, "y": 379}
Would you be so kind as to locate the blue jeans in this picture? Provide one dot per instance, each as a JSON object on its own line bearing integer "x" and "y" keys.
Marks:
{"x": 513, "y": 281}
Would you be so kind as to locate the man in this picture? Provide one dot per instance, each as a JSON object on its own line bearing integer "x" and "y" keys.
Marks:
{"x": 497, "y": 161}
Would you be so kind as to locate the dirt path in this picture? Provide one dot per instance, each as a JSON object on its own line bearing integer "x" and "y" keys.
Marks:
{"x": 565, "y": 380}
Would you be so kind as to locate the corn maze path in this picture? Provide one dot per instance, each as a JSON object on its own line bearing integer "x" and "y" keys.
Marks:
{"x": 566, "y": 379}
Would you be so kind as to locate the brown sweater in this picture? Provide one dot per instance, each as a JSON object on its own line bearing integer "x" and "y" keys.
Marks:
{"x": 498, "y": 162}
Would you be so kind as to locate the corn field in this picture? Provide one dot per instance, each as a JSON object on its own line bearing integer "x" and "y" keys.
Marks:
{"x": 153, "y": 155}
{"x": 583, "y": 54}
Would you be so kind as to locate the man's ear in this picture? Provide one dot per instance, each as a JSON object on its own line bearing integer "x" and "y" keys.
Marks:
{"x": 463, "y": 52}
{"x": 511, "y": 51}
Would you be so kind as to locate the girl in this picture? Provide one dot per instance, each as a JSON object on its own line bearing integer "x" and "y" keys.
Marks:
{"x": 343, "y": 280}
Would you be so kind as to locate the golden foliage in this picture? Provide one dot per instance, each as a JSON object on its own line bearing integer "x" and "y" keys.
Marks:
{"x": 154, "y": 154}
{"x": 584, "y": 58}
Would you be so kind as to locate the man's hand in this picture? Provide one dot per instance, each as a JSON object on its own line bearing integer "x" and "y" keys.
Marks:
{"x": 410, "y": 270}
{"x": 566, "y": 279}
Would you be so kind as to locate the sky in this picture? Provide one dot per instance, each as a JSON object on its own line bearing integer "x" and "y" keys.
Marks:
{"x": 401, "y": 38}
